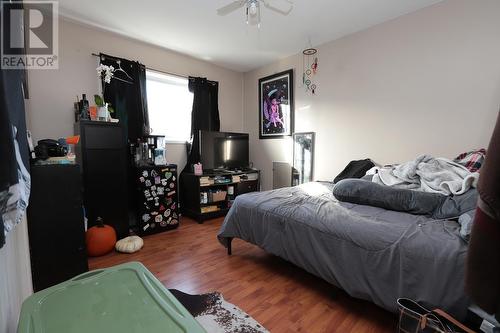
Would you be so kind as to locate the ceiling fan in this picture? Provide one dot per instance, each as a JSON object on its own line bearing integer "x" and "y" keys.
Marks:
{"x": 252, "y": 8}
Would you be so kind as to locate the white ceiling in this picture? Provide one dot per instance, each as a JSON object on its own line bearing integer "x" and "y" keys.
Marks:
{"x": 194, "y": 28}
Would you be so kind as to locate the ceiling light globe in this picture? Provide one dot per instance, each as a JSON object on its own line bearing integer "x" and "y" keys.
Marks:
{"x": 253, "y": 9}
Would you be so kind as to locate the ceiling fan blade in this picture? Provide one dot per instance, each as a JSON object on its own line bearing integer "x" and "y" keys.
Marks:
{"x": 288, "y": 4}
{"x": 231, "y": 7}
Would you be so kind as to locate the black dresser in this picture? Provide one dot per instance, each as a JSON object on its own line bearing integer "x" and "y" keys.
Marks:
{"x": 102, "y": 152}
{"x": 55, "y": 225}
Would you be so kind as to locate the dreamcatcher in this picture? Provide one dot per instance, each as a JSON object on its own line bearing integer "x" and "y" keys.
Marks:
{"x": 310, "y": 68}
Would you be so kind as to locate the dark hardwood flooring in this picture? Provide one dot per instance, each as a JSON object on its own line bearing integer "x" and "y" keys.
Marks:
{"x": 281, "y": 296}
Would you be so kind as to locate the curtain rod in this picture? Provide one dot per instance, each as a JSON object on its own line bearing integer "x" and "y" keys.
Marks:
{"x": 151, "y": 69}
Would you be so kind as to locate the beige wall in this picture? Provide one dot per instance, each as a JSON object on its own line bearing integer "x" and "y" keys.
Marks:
{"x": 15, "y": 277}
{"x": 52, "y": 92}
{"x": 427, "y": 82}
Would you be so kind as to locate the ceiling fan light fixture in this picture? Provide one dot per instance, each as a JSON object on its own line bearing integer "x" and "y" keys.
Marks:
{"x": 252, "y": 9}
{"x": 253, "y": 12}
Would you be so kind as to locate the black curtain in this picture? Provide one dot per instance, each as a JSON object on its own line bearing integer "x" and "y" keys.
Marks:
{"x": 14, "y": 167}
{"x": 205, "y": 113}
{"x": 129, "y": 100}
{"x": 14, "y": 153}
{"x": 204, "y": 116}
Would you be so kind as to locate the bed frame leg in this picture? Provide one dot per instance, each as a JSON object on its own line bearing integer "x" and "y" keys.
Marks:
{"x": 229, "y": 250}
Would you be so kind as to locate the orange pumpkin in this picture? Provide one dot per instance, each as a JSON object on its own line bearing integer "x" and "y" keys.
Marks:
{"x": 100, "y": 239}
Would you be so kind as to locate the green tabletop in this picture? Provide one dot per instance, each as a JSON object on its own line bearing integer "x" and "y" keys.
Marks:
{"x": 124, "y": 298}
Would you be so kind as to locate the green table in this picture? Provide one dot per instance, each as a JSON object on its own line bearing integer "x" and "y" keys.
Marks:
{"x": 124, "y": 298}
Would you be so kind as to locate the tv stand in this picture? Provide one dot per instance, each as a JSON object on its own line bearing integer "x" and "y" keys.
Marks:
{"x": 218, "y": 171}
{"x": 211, "y": 195}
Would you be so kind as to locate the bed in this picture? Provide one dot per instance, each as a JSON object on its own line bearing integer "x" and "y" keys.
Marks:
{"x": 371, "y": 253}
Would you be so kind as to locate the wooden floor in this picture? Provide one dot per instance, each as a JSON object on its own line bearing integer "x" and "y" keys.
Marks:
{"x": 281, "y": 296}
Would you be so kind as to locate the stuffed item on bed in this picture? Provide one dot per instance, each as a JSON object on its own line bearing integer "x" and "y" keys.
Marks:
{"x": 434, "y": 205}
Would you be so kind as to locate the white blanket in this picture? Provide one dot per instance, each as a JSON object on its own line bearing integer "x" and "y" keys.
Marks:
{"x": 428, "y": 174}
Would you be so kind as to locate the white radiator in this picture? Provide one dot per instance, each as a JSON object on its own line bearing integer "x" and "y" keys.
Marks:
{"x": 282, "y": 175}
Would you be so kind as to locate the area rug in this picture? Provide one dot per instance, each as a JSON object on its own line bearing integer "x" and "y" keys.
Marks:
{"x": 216, "y": 315}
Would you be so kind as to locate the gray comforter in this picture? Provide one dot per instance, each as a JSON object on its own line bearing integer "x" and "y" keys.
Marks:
{"x": 371, "y": 253}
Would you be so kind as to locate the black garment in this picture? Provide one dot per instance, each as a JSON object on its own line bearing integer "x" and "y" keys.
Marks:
{"x": 205, "y": 114}
{"x": 8, "y": 165}
{"x": 129, "y": 100}
{"x": 355, "y": 169}
{"x": 11, "y": 116}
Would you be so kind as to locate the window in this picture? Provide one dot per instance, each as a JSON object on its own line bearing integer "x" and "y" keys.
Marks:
{"x": 169, "y": 106}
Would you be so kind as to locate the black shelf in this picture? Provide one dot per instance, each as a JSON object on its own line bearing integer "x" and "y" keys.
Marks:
{"x": 214, "y": 203}
{"x": 201, "y": 217}
{"x": 191, "y": 190}
{"x": 219, "y": 184}
{"x": 226, "y": 184}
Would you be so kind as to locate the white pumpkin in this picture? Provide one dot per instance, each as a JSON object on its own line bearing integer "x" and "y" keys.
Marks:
{"x": 129, "y": 244}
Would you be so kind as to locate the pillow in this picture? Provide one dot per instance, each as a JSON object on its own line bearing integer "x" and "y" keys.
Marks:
{"x": 372, "y": 194}
{"x": 368, "y": 178}
{"x": 456, "y": 205}
{"x": 435, "y": 205}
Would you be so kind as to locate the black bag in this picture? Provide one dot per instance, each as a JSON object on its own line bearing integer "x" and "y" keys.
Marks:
{"x": 414, "y": 318}
{"x": 355, "y": 169}
{"x": 50, "y": 148}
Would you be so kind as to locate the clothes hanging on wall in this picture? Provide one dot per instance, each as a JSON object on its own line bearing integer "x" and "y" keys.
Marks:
{"x": 15, "y": 179}
{"x": 204, "y": 116}
{"x": 128, "y": 95}
{"x": 205, "y": 113}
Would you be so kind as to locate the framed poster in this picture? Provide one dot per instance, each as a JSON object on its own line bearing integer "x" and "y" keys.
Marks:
{"x": 276, "y": 105}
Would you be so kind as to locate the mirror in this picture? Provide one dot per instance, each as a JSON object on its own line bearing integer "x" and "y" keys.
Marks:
{"x": 303, "y": 157}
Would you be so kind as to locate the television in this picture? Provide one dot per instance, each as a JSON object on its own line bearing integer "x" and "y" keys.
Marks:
{"x": 223, "y": 150}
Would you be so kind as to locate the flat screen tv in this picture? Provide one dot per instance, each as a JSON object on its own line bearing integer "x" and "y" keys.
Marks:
{"x": 223, "y": 150}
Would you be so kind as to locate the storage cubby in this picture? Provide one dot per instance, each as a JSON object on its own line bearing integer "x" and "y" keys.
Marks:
{"x": 211, "y": 195}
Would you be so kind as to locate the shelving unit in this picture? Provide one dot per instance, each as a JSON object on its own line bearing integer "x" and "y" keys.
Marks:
{"x": 193, "y": 188}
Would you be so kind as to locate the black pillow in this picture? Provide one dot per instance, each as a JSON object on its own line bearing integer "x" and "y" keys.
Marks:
{"x": 355, "y": 169}
{"x": 435, "y": 205}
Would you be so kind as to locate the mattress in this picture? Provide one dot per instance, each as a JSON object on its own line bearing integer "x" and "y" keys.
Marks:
{"x": 371, "y": 253}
